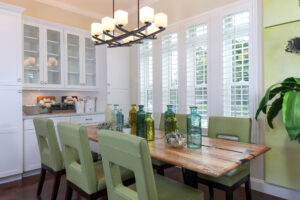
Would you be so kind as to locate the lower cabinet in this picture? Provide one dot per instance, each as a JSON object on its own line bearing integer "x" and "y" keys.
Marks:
{"x": 31, "y": 153}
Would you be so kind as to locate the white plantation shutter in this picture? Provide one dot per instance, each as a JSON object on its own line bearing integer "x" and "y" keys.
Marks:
{"x": 146, "y": 75}
{"x": 170, "y": 71}
{"x": 196, "y": 63}
{"x": 236, "y": 64}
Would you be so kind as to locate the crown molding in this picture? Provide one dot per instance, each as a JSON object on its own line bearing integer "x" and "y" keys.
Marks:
{"x": 12, "y": 8}
{"x": 71, "y": 8}
{"x": 143, "y": 3}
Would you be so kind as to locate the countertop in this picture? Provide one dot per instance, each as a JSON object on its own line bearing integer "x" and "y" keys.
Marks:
{"x": 49, "y": 115}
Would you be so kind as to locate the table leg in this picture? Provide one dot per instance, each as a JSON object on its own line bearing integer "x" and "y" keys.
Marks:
{"x": 190, "y": 177}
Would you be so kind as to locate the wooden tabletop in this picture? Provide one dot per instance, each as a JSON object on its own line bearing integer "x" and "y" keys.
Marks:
{"x": 216, "y": 157}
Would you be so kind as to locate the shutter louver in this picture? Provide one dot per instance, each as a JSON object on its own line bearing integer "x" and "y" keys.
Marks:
{"x": 146, "y": 75}
{"x": 170, "y": 71}
{"x": 236, "y": 64}
{"x": 196, "y": 62}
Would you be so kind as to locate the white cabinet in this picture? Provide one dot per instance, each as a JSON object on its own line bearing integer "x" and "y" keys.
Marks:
{"x": 42, "y": 64}
{"x": 31, "y": 153}
{"x": 57, "y": 58}
{"x": 10, "y": 131}
{"x": 10, "y": 49}
{"x": 10, "y": 90}
{"x": 81, "y": 70}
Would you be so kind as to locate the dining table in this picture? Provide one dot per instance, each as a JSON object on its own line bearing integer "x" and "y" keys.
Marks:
{"x": 216, "y": 157}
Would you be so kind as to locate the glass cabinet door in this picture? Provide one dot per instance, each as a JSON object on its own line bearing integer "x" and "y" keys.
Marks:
{"x": 90, "y": 63}
{"x": 53, "y": 57}
{"x": 31, "y": 63}
{"x": 73, "y": 59}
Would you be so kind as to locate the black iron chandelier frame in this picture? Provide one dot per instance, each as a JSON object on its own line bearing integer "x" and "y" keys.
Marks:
{"x": 115, "y": 41}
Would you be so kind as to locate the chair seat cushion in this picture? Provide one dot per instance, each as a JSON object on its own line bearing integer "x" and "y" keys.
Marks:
{"x": 231, "y": 177}
{"x": 126, "y": 174}
{"x": 169, "y": 189}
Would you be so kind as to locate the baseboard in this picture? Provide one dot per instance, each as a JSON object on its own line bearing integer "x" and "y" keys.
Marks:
{"x": 31, "y": 173}
{"x": 275, "y": 190}
{"x": 10, "y": 179}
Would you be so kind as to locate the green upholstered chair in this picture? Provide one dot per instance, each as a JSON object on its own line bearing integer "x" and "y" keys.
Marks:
{"x": 182, "y": 128}
{"x": 122, "y": 150}
{"x": 84, "y": 176}
{"x": 51, "y": 157}
{"x": 237, "y": 129}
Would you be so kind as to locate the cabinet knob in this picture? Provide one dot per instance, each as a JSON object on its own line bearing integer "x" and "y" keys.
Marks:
{"x": 19, "y": 80}
{"x": 20, "y": 91}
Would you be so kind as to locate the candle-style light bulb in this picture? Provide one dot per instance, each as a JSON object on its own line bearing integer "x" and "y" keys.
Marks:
{"x": 146, "y": 14}
{"x": 121, "y": 18}
{"x": 161, "y": 20}
{"x": 108, "y": 24}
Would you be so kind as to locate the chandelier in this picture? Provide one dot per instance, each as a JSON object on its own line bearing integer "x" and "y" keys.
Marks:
{"x": 113, "y": 33}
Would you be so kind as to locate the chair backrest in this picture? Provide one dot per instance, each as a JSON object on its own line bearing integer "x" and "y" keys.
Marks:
{"x": 181, "y": 123}
{"x": 132, "y": 153}
{"x": 74, "y": 140}
{"x": 230, "y": 126}
{"x": 48, "y": 145}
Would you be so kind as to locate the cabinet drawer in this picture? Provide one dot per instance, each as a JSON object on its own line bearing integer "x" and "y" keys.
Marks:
{"x": 28, "y": 124}
{"x": 87, "y": 119}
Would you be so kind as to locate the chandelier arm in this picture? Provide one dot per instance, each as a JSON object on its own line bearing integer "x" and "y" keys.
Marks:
{"x": 131, "y": 32}
{"x": 102, "y": 41}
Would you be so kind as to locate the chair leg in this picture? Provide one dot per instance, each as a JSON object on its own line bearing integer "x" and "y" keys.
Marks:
{"x": 248, "y": 190}
{"x": 229, "y": 195}
{"x": 69, "y": 193}
{"x": 160, "y": 171}
{"x": 211, "y": 191}
{"x": 41, "y": 182}
{"x": 57, "y": 177}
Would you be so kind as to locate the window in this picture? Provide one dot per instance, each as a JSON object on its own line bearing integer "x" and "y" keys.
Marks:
{"x": 196, "y": 66}
{"x": 236, "y": 64}
{"x": 146, "y": 78}
{"x": 170, "y": 71}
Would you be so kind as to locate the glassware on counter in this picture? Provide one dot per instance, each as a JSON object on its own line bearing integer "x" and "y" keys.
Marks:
{"x": 140, "y": 122}
{"x": 171, "y": 124}
{"x": 149, "y": 127}
{"x": 132, "y": 119}
{"x": 194, "y": 135}
{"x": 167, "y": 115}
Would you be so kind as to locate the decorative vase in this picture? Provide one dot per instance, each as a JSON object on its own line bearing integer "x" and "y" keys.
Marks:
{"x": 140, "y": 122}
{"x": 171, "y": 124}
{"x": 120, "y": 120}
{"x": 167, "y": 115}
{"x": 149, "y": 127}
{"x": 108, "y": 113}
{"x": 194, "y": 136}
{"x": 132, "y": 119}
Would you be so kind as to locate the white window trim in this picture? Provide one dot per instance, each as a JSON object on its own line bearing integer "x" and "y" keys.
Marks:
{"x": 214, "y": 21}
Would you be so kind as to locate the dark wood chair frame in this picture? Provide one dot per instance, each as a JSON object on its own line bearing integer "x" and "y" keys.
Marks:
{"x": 102, "y": 193}
{"x": 57, "y": 177}
{"x": 161, "y": 169}
{"x": 229, "y": 190}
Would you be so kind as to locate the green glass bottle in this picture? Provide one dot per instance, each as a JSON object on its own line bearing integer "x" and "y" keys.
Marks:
{"x": 140, "y": 122}
{"x": 167, "y": 115}
{"x": 132, "y": 119}
{"x": 194, "y": 136}
{"x": 171, "y": 124}
{"x": 149, "y": 127}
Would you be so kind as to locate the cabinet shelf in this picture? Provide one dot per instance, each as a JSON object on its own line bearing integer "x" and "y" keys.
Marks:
{"x": 31, "y": 69}
{"x": 54, "y": 42}
{"x": 53, "y": 54}
{"x": 73, "y": 57}
{"x": 73, "y": 73}
{"x": 32, "y": 38}
{"x": 30, "y": 51}
{"x": 54, "y": 71}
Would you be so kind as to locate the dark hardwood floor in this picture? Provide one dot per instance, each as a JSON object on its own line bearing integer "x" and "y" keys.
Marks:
{"x": 26, "y": 189}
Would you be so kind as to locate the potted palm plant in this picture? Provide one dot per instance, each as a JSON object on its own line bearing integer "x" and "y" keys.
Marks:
{"x": 283, "y": 96}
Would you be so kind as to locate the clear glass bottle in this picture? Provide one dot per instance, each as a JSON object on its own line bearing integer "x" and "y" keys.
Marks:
{"x": 140, "y": 122}
{"x": 132, "y": 119}
{"x": 167, "y": 115}
{"x": 120, "y": 120}
{"x": 171, "y": 124}
{"x": 108, "y": 112}
{"x": 194, "y": 135}
{"x": 149, "y": 127}
{"x": 114, "y": 117}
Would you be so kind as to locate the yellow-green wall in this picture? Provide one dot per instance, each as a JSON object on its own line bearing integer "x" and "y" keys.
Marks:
{"x": 280, "y": 21}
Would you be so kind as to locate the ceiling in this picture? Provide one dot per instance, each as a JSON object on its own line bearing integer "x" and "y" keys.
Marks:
{"x": 96, "y": 8}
